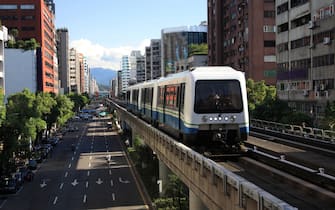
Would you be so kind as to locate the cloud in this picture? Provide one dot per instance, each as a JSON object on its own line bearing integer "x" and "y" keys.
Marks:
{"x": 99, "y": 56}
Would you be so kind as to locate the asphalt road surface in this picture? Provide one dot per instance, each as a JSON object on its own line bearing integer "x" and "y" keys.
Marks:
{"x": 96, "y": 175}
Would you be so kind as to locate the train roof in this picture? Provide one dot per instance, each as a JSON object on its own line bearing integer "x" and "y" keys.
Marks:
{"x": 205, "y": 72}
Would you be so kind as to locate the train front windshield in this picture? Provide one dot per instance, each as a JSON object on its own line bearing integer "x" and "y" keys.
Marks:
{"x": 218, "y": 96}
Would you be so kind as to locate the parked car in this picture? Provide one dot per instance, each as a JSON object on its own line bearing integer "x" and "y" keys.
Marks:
{"x": 32, "y": 164}
{"x": 27, "y": 174}
{"x": 9, "y": 185}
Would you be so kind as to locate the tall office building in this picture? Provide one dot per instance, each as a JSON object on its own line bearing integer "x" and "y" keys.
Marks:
{"x": 175, "y": 44}
{"x": 153, "y": 60}
{"x": 35, "y": 19}
{"x": 306, "y": 54}
{"x": 63, "y": 59}
{"x": 241, "y": 34}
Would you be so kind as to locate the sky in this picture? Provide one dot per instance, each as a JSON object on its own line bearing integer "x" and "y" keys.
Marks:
{"x": 105, "y": 30}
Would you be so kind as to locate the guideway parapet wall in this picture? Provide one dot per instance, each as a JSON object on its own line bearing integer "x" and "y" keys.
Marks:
{"x": 217, "y": 187}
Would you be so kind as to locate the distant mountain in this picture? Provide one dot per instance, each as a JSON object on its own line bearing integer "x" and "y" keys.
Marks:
{"x": 103, "y": 76}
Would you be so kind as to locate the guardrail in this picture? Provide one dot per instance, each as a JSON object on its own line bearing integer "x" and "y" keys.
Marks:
{"x": 308, "y": 132}
{"x": 217, "y": 187}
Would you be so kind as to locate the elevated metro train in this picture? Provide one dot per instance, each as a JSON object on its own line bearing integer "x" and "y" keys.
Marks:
{"x": 199, "y": 106}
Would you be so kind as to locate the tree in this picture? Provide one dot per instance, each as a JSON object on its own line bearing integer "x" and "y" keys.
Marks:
{"x": 198, "y": 49}
{"x": 329, "y": 120}
{"x": 2, "y": 107}
{"x": 61, "y": 111}
{"x": 79, "y": 101}
{"x": 43, "y": 104}
{"x": 257, "y": 92}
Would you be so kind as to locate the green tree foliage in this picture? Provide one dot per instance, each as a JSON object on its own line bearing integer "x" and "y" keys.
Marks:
{"x": 62, "y": 111}
{"x": 263, "y": 104}
{"x": 79, "y": 101}
{"x": 257, "y": 92}
{"x": 2, "y": 107}
{"x": 329, "y": 119}
{"x": 21, "y": 114}
{"x": 30, "y": 44}
{"x": 198, "y": 49}
{"x": 44, "y": 103}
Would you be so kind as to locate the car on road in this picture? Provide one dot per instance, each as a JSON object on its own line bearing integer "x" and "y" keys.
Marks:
{"x": 9, "y": 185}
{"x": 32, "y": 164}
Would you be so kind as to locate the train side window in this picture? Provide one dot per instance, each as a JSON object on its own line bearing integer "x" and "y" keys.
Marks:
{"x": 171, "y": 96}
{"x": 148, "y": 95}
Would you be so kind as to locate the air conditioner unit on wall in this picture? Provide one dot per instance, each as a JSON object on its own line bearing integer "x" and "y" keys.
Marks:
{"x": 305, "y": 93}
{"x": 311, "y": 24}
{"x": 326, "y": 40}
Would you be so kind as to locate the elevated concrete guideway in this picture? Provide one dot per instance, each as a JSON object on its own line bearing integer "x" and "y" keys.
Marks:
{"x": 217, "y": 187}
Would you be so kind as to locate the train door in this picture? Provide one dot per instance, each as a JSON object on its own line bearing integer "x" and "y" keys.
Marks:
{"x": 180, "y": 102}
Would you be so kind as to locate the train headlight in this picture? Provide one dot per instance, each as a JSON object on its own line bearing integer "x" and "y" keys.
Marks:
{"x": 233, "y": 118}
{"x": 211, "y": 118}
{"x": 226, "y": 118}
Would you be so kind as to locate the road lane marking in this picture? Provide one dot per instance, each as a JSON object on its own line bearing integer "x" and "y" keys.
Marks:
{"x": 88, "y": 173}
{"x": 89, "y": 164}
{"x": 3, "y": 203}
{"x": 113, "y": 196}
{"x": 112, "y": 183}
{"x": 90, "y": 157}
{"x": 110, "y": 172}
{"x": 61, "y": 186}
{"x": 85, "y": 197}
{"x": 70, "y": 165}
{"x": 66, "y": 173}
{"x": 86, "y": 184}
{"x": 55, "y": 200}
{"x": 72, "y": 158}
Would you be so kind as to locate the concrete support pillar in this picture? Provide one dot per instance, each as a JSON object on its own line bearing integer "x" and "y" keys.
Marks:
{"x": 195, "y": 203}
{"x": 164, "y": 172}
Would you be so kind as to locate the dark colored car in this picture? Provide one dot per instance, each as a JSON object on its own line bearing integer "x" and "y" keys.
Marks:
{"x": 32, "y": 164}
{"x": 9, "y": 185}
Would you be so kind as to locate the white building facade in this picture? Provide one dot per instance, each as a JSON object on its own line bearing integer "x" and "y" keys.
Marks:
{"x": 22, "y": 74}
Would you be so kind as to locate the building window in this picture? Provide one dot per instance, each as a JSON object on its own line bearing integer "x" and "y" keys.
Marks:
{"x": 28, "y": 28}
{"x": 269, "y": 13}
{"x": 324, "y": 60}
{"x": 269, "y": 43}
{"x": 282, "y": 47}
{"x": 301, "y": 21}
{"x": 283, "y": 27}
{"x": 295, "y": 3}
{"x": 305, "y": 41}
{"x": 282, "y": 8}
{"x": 27, "y": 6}
{"x": 8, "y": 6}
{"x": 269, "y": 29}
{"x": 28, "y": 17}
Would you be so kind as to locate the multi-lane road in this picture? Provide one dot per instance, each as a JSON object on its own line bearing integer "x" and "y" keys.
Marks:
{"x": 96, "y": 175}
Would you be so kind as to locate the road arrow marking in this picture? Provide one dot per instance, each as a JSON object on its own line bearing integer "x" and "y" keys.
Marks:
{"x": 43, "y": 184}
{"x": 74, "y": 183}
{"x": 113, "y": 196}
{"x": 99, "y": 181}
{"x": 123, "y": 181}
{"x": 112, "y": 183}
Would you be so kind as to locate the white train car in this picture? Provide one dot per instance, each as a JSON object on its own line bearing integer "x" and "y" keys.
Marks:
{"x": 200, "y": 106}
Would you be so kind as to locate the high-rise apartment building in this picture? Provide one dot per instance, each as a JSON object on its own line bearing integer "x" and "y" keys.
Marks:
{"x": 74, "y": 71}
{"x": 35, "y": 19}
{"x": 241, "y": 34}
{"x": 153, "y": 60}
{"x": 306, "y": 54}
{"x": 63, "y": 59}
{"x": 175, "y": 43}
{"x": 3, "y": 39}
